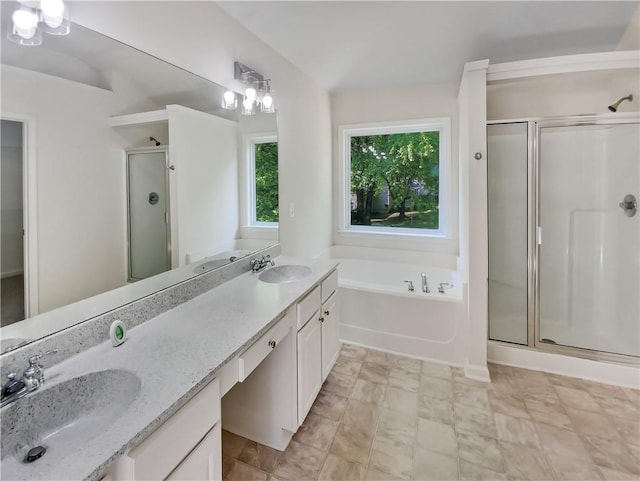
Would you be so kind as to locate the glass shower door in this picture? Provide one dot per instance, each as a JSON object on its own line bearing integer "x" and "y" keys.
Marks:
{"x": 589, "y": 237}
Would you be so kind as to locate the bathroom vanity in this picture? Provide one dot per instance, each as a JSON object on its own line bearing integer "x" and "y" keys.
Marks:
{"x": 248, "y": 355}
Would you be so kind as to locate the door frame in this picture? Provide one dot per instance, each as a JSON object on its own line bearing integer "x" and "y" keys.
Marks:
{"x": 164, "y": 149}
{"x": 29, "y": 210}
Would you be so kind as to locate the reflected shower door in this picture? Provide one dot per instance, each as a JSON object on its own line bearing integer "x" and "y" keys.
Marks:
{"x": 589, "y": 247}
{"x": 507, "y": 167}
{"x": 148, "y": 202}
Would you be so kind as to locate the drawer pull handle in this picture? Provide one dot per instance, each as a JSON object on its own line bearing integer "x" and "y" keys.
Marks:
{"x": 326, "y": 313}
{"x": 321, "y": 319}
{"x": 272, "y": 344}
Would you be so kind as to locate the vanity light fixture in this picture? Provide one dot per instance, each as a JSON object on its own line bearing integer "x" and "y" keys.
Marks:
{"x": 30, "y": 19}
{"x": 257, "y": 92}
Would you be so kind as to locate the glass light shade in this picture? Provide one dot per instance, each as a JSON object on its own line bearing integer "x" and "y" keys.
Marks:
{"x": 251, "y": 94}
{"x": 266, "y": 105}
{"x": 248, "y": 106}
{"x": 55, "y": 17}
{"x": 229, "y": 100}
{"x": 24, "y": 28}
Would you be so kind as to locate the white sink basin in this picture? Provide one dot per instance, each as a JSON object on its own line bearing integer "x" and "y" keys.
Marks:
{"x": 63, "y": 417}
{"x": 282, "y": 274}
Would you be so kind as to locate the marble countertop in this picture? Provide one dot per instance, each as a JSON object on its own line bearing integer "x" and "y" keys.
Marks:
{"x": 174, "y": 355}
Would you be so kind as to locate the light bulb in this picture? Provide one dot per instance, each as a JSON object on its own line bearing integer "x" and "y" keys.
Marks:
{"x": 248, "y": 106}
{"x": 24, "y": 23}
{"x": 251, "y": 94}
{"x": 229, "y": 100}
{"x": 52, "y": 11}
{"x": 267, "y": 101}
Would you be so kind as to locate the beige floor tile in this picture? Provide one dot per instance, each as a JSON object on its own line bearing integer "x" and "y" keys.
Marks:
{"x": 629, "y": 428}
{"x": 380, "y": 357}
{"x": 336, "y": 468}
{"x": 436, "y": 437}
{"x": 530, "y": 376}
{"x": 525, "y": 463}
{"x": 593, "y": 424}
{"x": 460, "y": 377}
{"x": 516, "y": 430}
{"x": 548, "y": 413}
{"x": 606, "y": 390}
{"x": 566, "y": 381}
{"x": 480, "y": 450}
{"x": 232, "y": 444}
{"x": 300, "y": 463}
{"x": 339, "y": 384}
{"x": 440, "y": 410}
{"x": 613, "y": 475}
{"x": 397, "y": 427}
{"x": 361, "y": 415}
{"x": 227, "y": 464}
{"x": 407, "y": 380}
{"x": 617, "y": 407}
{"x": 572, "y": 469}
{"x": 612, "y": 454}
{"x": 577, "y": 399}
{"x": 352, "y": 444}
{"x": 508, "y": 404}
{"x": 538, "y": 392}
{"x": 374, "y": 373}
{"x": 436, "y": 388}
{"x": 243, "y": 472}
{"x": 260, "y": 456}
{"x": 374, "y": 474}
{"x": 406, "y": 364}
{"x": 633, "y": 394}
{"x": 347, "y": 366}
{"x": 329, "y": 405}
{"x": 473, "y": 472}
{"x": 354, "y": 352}
{"x": 472, "y": 420}
{"x": 471, "y": 396}
{"x": 399, "y": 466}
{"x": 385, "y": 445}
{"x": 437, "y": 370}
{"x": 430, "y": 466}
{"x": 317, "y": 431}
{"x": 400, "y": 400}
{"x": 368, "y": 391}
{"x": 561, "y": 442}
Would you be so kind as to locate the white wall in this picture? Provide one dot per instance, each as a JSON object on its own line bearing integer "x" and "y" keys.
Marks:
{"x": 203, "y": 150}
{"x": 79, "y": 185}
{"x": 202, "y": 38}
{"x": 630, "y": 39}
{"x": 553, "y": 95}
{"x": 398, "y": 104}
{"x": 11, "y": 203}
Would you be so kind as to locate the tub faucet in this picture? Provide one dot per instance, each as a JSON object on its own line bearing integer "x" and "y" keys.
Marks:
{"x": 410, "y": 286}
{"x": 425, "y": 284}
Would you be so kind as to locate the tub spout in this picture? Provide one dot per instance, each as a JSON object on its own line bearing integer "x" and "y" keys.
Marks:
{"x": 425, "y": 283}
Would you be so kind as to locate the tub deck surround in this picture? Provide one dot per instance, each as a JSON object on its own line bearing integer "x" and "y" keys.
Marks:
{"x": 174, "y": 355}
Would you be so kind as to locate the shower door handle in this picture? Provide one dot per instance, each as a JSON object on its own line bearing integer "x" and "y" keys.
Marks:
{"x": 629, "y": 205}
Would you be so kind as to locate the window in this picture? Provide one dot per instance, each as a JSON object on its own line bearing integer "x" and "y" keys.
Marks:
{"x": 396, "y": 178}
{"x": 263, "y": 169}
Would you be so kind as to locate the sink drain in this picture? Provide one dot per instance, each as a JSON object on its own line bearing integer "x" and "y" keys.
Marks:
{"x": 34, "y": 454}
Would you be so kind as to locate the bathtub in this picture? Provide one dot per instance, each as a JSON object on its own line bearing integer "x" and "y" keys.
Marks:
{"x": 377, "y": 310}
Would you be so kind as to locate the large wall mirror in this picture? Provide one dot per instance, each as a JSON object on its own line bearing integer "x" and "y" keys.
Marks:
{"x": 121, "y": 175}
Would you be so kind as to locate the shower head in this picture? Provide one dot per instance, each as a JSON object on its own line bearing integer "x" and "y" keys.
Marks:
{"x": 152, "y": 139}
{"x": 614, "y": 107}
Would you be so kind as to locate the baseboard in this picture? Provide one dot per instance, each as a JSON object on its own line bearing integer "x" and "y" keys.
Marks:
{"x": 477, "y": 372}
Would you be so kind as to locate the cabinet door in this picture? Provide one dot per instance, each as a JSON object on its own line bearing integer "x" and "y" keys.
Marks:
{"x": 330, "y": 335}
{"x": 204, "y": 463}
{"x": 309, "y": 365}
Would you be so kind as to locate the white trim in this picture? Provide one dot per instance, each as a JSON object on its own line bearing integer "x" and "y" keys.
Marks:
{"x": 249, "y": 142}
{"x": 152, "y": 117}
{"x": 564, "y": 64}
{"x": 445, "y": 181}
{"x": 30, "y": 211}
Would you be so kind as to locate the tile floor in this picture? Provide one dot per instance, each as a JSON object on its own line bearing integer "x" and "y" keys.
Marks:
{"x": 386, "y": 417}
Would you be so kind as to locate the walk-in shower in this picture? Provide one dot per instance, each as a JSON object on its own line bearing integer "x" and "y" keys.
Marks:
{"x": 564, "y": 237}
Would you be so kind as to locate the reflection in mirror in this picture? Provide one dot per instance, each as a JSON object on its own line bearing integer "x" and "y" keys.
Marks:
{"x": 130, "y": 167}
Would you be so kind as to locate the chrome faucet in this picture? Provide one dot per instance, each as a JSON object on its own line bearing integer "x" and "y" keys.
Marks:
{"x": 258, "y": 264}
{"x": 32, "y": 379}
{"x": 410, "y": 286}
{"x": 443, "y": 285}
{"x": 425, "y": 284}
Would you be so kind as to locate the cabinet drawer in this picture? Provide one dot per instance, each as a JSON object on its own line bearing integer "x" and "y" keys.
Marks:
{"x": 260, "y": 349}
{"x": 329, "y": 285}
{"x": 167, "y": 446}
{"x": 204, "y": 463}
{"x": 307, "y": 306}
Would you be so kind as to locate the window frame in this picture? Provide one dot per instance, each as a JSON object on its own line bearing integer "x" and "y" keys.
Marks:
{"x": 251, "y": 140}
{"x": 445, "y": 188}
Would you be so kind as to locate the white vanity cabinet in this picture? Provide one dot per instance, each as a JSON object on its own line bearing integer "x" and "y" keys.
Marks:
{"x": 187, "y": 446}
{"x": 318, "y": 344}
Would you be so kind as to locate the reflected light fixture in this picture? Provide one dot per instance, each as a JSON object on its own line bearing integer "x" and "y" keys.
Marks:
{"x": 28, "y": 22}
